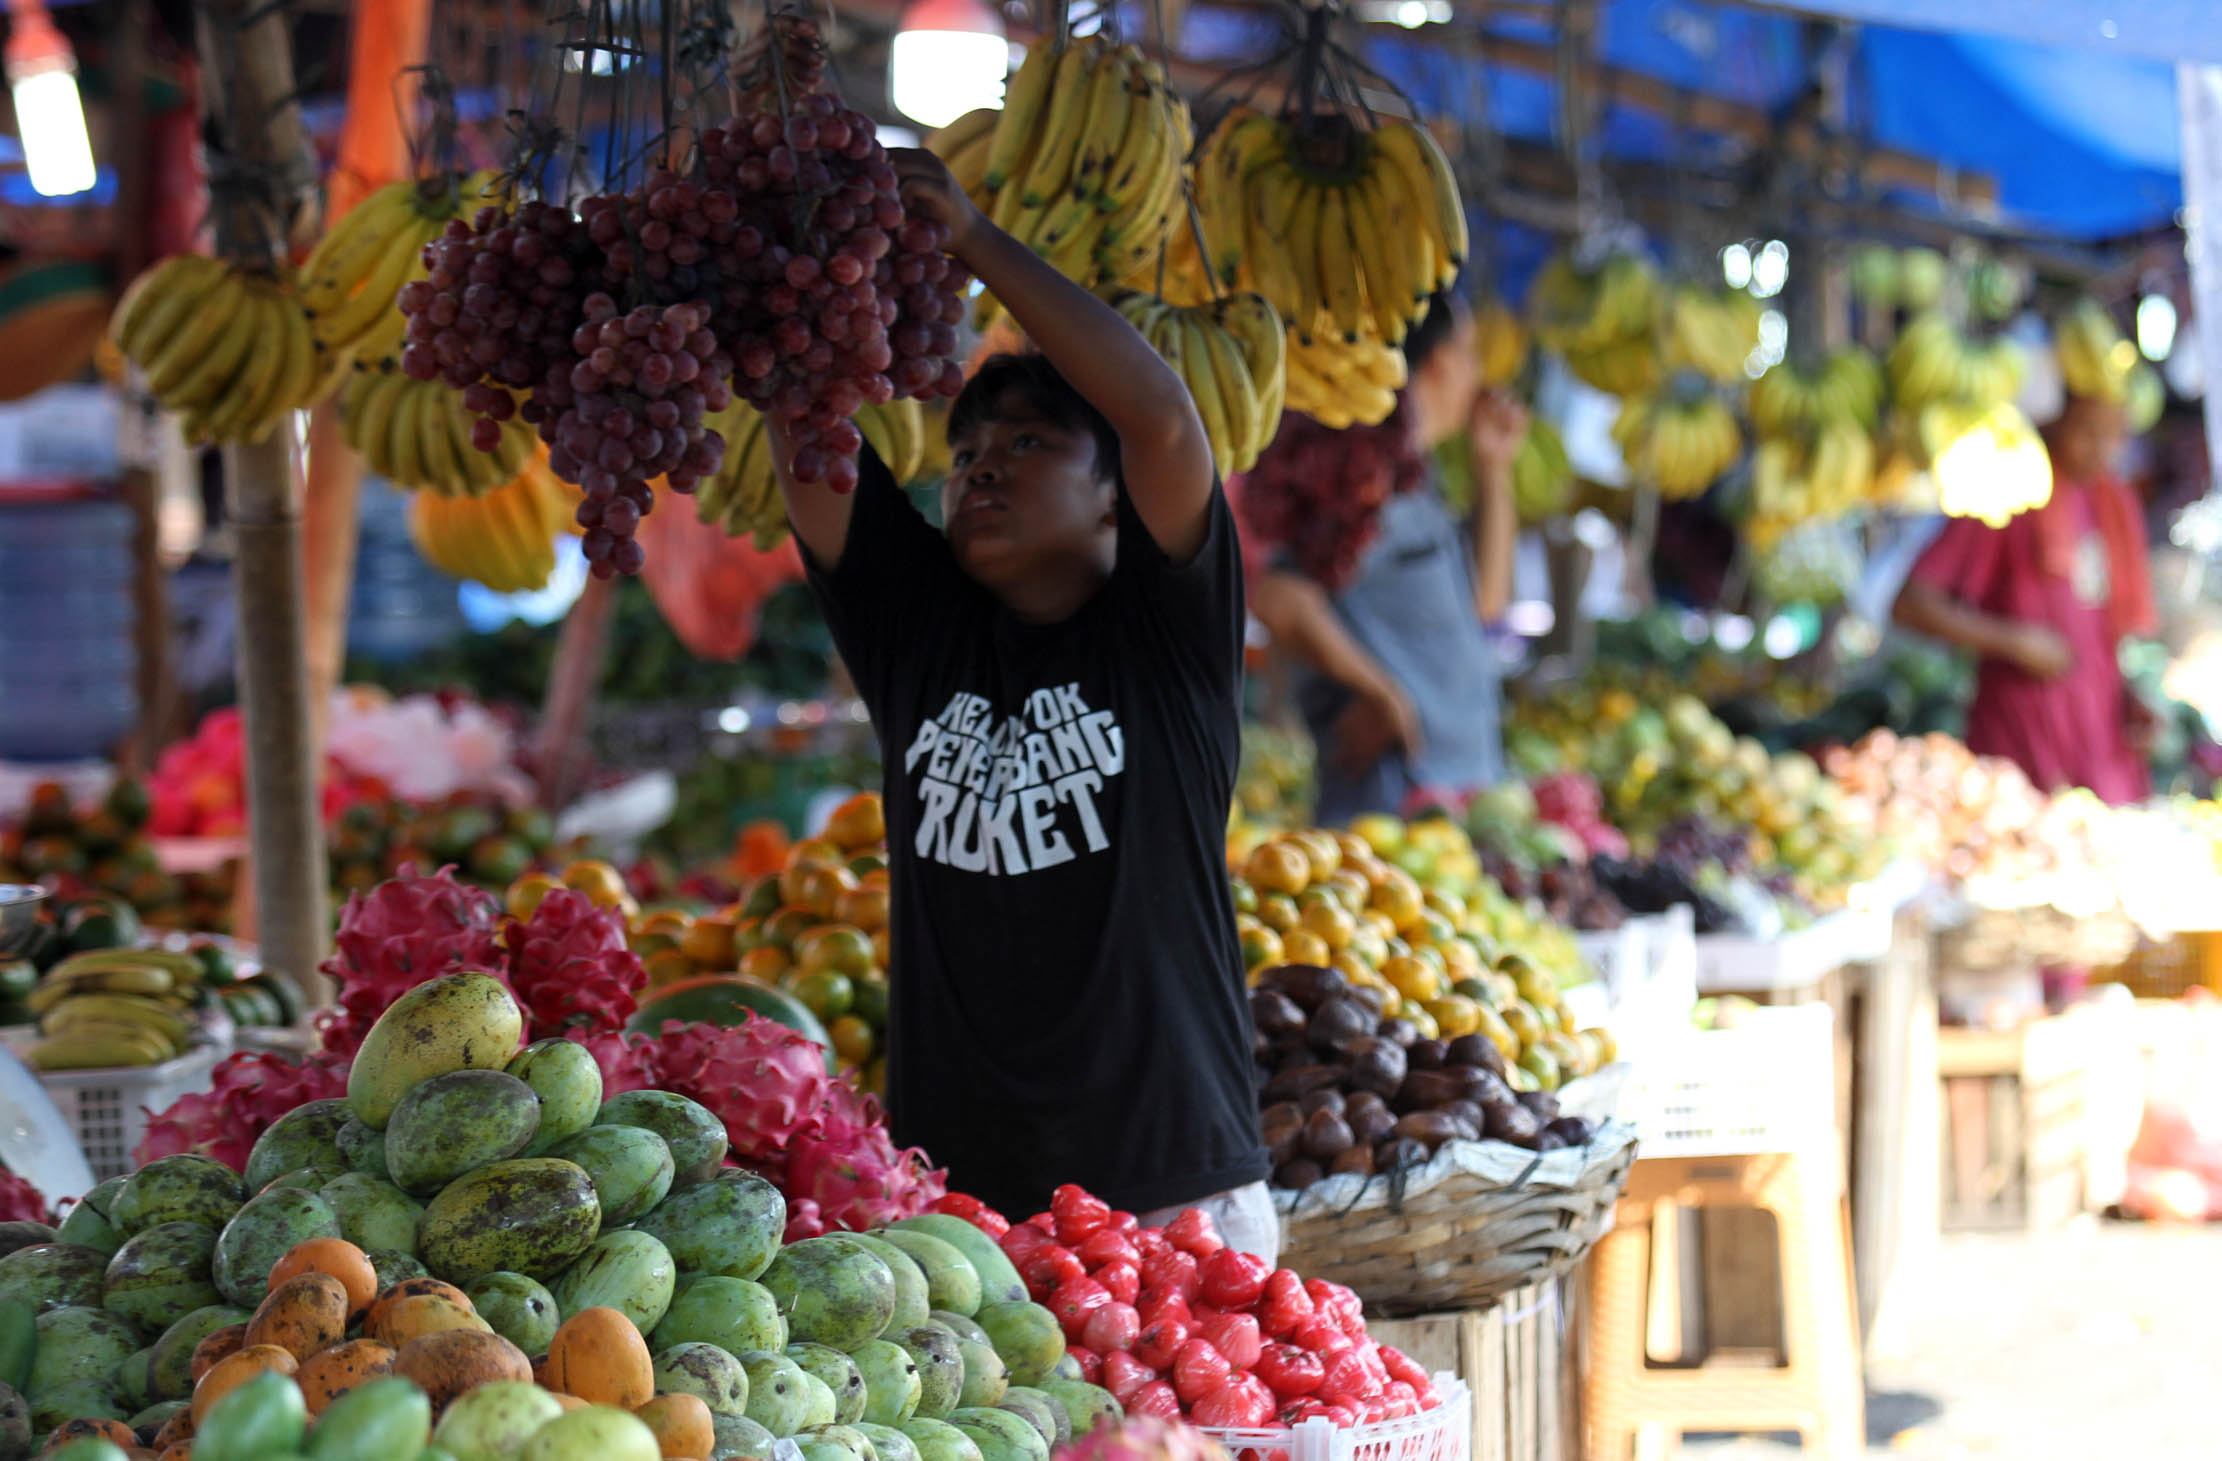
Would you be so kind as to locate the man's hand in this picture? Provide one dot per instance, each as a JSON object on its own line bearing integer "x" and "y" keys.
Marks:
{"x": 2039, "y": 650}
{"x": 1495, "y": 429}
{"x": 929, "y": 192}
{"x": 1377, "y": 720}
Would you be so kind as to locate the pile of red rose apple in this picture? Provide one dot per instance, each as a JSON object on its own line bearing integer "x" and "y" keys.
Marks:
{"x": 1174, "y": 1323}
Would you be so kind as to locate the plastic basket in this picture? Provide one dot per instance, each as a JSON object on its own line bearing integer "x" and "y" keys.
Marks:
{"x": 107, "y": 1109}
{"x": 1767, "y": 1085}
{"x": 1445, "y": 1433}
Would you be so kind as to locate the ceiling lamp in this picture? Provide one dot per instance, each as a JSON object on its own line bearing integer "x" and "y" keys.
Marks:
{"x": 949, "y": 58}
{"x": 49, "y": 118}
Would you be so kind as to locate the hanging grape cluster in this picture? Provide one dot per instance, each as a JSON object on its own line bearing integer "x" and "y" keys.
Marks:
{"x": 1316, "y": 493}
{"x": 777, "y": 265}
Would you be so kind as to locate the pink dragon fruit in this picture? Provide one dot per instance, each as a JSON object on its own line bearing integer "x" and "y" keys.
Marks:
{"x": 20, "y": 1202}
{"x": 628, "y": 1062}
{"x": 852, "y": 1173}
{"x": 766, "y": 1082}
{"x": 407, "y": 930}
{"x": 803, "y": 1221}
{"x": 571, "y": 968}
{"x": 1141, "y": 1438}
{"x": 247, "y": 1091}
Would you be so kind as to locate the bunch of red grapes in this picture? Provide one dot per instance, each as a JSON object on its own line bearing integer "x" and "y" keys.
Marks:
{"x": 779, "y": 266}
{"x": 1316, "y": 493}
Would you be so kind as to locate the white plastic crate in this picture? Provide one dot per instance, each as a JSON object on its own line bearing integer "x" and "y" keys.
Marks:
{"x": 107, "y": 1109}
{"x": 1445, "y": 1433}
{"x": 1767, "y": 1085}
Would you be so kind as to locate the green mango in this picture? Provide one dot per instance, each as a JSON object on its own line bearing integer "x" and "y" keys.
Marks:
{"x": 306, "y": 1136}
{"x": 847, "y": 1439}
{"x": 363, "y": 1148}
{"x": 14, "y": 1235}
{"x": 454, "y": 1123}
{"x": 814, "y": 1447}
{"x": 264, "y": 1416}
{"x": 372, "y": 1212}
{"x": 631, "y": 1168}
{"x": 78, "y": 1346}
{"x": 937, "y": 1440}
{"x": 19, "y": 1340}
{"x": 568, "y": 1085}
{"x": 77, "y": 1400}
{"x": 88, "y": 1227}
{"x": 986, "y": 1377}
{"x": 392, "y": 1267}
{"x": 891, "y": 1382}
{"x": 1028, "y": 1338}
{"x": 307, "y": 1179}
{"x": 1002, "y": 1436}
{"x": 263, "y": 1231}
{"x": 15, "y": 1424}
{"x": 531, "y": 1215}
{"x": 913, "y": 1304}
{"x": 731, "y": 1225}
{"x": 135, "y": 1380}
{"x": 1066, "y": 1368}
{"x": 1084, "y": 1404}
{"x": 833, "y": 1290}
{"x": 182, "y": 1189}
{"x": 706, "y": 1372}
{"x": 1041, "y": 1412}
{"x": 459, "y": 1022}
{"x": 888, "y": 1443}
{"x": 939, "y": 1356}
{"x": 777, "y": 1400}
{"x": 146, "y": 1422}
{"x": 695, "y": 1135}
{"x": 952, "y": 1284}
{"x": 597, "y": 1433}
{"x": 493, "y": 1422}
{"x": 731, "y": 1313}
{"x": 740, "y": 1439}
{"x": 963, "y": 1326}
{"x": 626, "y": 1271}
{"x": 160, "y": 1276}
{"x": 999, "y": 1281}
{"x": 87, "y": 1448}
{"x": 385, "y": 1419}
{"x": 838, "y": 1373}
{"x": 819, "y": 1407}
{"x": 521, "y": 1311}
{"x": 172, "y": 1376}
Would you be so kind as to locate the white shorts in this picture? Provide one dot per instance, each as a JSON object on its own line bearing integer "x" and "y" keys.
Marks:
{"x": 1245, "y": 1217}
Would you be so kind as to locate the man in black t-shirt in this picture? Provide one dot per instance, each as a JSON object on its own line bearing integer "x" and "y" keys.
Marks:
{"x": 1055, "y": 684}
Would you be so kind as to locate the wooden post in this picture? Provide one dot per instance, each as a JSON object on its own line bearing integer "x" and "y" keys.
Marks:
{"x": 1896, "y": 1163}
{"x": 248, "y": 58}
{"x": 328, "y": 527}
{"x": 571, "y": 686}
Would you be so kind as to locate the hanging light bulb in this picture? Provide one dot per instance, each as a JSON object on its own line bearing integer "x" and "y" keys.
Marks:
{"x": 949, "y": 58}
{"x": 49, "y": 117}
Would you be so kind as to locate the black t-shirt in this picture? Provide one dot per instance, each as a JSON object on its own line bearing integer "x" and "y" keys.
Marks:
{"x": 1068, "y": 999}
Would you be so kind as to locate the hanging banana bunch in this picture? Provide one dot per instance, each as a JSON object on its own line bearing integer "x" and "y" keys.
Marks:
{"x": 1814, "y": 475}
{"x": 742, "y": 497}
{"x": 1342, "y": 386}
{"x": 505, "y": 539}
{"x": 1230, "y": 353}
{"x": 228, "y": 350}
{"x": 1083, "y": 161}
{"x": 1934, "y": 360}
{"x": 1341, "y": 228}
{"x": 1679, "y": 443}
{"x": 354, "y": 274}
{"x": 1500, "y": 343}
{"x": 1792, "y": 399}
{"x": 2096, "y": 360}
{"x": 1603, "y": 319}
{"x": 1714, "y": 332}
{"x": 1988, "y": 462}
{"x": 416, "y": 434}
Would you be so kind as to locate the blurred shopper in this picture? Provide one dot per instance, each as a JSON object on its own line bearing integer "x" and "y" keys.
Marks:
{"x": 2044, "y": 603}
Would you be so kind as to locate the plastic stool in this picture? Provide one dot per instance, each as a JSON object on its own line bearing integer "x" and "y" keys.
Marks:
{"x": 1819, "y": 1393}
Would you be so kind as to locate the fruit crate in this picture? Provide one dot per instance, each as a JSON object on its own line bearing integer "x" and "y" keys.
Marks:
{"x": 107, "y": 1109}
{"x": 1766, "y": 1084}
{"x": 1520, "y": 1360}
{"x": 1442, "y": 1434}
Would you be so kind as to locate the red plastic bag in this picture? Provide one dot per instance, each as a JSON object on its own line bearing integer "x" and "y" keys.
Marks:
{"x": 709, "y": 586}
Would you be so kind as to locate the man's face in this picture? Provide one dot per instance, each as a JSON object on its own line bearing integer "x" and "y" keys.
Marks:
{"x": 2088, "y": 438}
{"x": 1023, "y": 495}
{"x": 1448, "y": 380}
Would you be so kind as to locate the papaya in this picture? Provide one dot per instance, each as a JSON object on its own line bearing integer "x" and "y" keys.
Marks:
{"x": 332, "y": 1373}
{"x": 337, "y": 1259}
{"x": 682, "y": 1425}
{"x": 600, "y": 1357}
{"x": 303, "y": 1315}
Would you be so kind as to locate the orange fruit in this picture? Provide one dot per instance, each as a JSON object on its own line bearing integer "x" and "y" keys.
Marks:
{"x": 883, "y": 949}
{"x": 1261, "y": 947}
{"x": 1498, "y": 1033}
{"x": 1455, "y": 1015}
{"x": 1279, "y": 867}
{"x": 865, "y": 905}
{"x": 1324, "y": 852}
{"x": 853, "y": 1040}
{"x": 765, "y": 964}
{"x": 1302, "y": 946}
{"x": 669, "y": 966}
{"x": 1415, "y": 979}
{"x": 858, "y": 823}
{"x": 1422, "y": 1020}
{"x": 783, "y": 929}
{"x": 709, "y": 941}
{"x": 834, "y": 946}
{"x": 601, "y": 883}
{"x": 816, "y": 888}
{"x": 1332, "y": 922}
{"x": 1278, "y": 911}
{"x": 525, "y": 894}
{"x": 816, "y": 852}
{"x": 1398, "y": 896}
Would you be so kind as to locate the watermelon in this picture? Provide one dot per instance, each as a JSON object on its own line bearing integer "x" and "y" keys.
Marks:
{"x": 726, "y": 999}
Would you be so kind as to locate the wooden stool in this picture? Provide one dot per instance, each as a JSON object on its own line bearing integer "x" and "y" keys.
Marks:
{"x": 1819, "y": 1393}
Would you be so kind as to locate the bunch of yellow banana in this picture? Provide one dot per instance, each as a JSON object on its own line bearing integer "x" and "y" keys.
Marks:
{"x": 1232, "y": 353}
{"x": 1987, "y": 461}
{"x": 1177, "y": 272}
{"x": 1500, "y": 343}
{"x": 505, "y": 539}
{"x": 229, "y": 351}
{"x": 416, "y": 434}
{"x": 1542, "y": 477}
{"x": 743, "y": 497}
{"x": 1799, "y": 478}
{"x": 1679, "y": 444}
{"x": 1337, "y": 252}
{"x": 1933, "y": 360}
{"x": 114, "y": 1007}
{"x": 1794, "y": 400}
{"x": 1603, "y": 320}
{"x": 1714, "y": 332}
{"x": 1083, "y": 161}
{"x": 2095, "y": 358}
{"x": 352, "y": 276}
{"x": 1341, "y": 386}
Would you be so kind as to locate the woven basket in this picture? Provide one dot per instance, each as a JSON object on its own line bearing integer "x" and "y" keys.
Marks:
{"x": 1477, "y": 1222}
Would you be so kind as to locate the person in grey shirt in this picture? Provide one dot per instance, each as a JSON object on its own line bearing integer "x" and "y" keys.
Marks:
{"x": 1398, "y": 681}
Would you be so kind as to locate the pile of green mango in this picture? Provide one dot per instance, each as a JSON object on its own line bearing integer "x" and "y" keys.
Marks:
{"x": 458, "y": 1156}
